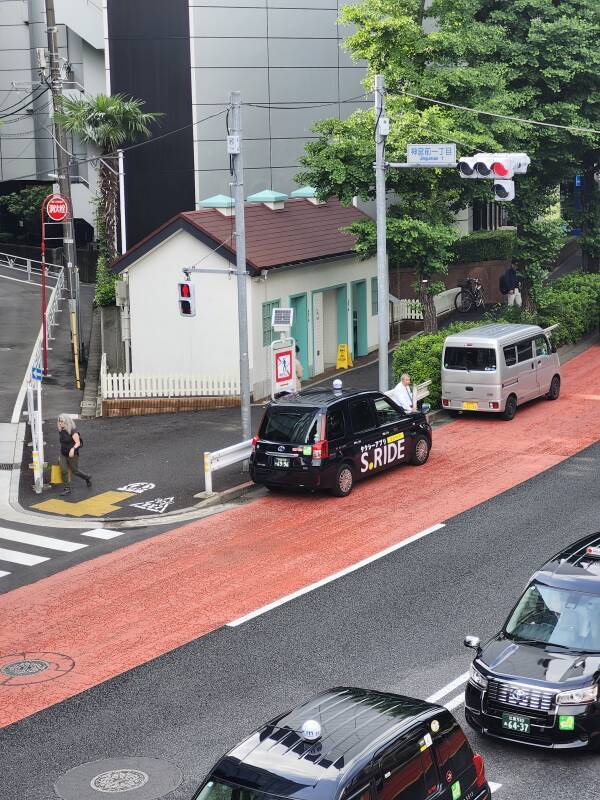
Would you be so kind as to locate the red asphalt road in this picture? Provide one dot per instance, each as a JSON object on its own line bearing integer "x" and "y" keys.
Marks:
{"x": 123, "y": 609}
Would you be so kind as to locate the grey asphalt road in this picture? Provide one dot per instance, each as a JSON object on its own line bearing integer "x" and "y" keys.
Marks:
{"x": 20, "y": 320}
{"x": 396, "y": 625}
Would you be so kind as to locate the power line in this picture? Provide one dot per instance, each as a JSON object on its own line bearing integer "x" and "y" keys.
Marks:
{"x": 18, "y": 102}
{"x": 24, "y": 105}
{"x": 571, "y": 128}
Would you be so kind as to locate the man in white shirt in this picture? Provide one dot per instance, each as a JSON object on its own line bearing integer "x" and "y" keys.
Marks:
{"x": 401, "y": 394}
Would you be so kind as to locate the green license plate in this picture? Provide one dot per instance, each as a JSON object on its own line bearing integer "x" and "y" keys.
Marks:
{"x": 516, "y": 723}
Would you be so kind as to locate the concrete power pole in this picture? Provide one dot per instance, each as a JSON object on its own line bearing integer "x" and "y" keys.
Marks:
{"x": 383, "y": 280}
{"x": 234, "y": 148}
{"x": 62, "y": 157}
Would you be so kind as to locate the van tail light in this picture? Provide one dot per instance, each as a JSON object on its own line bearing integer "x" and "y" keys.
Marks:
{"x": 254, "y": 441}
{"x": 494, "y": 405}
{"x": 445, "y": 402}
{"x": 320, "y": 450}
{"x": 480, "y": 778}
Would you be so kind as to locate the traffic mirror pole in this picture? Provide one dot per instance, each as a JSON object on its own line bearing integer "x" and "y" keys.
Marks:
{"x": 234, "y": 147}
{"x": 383, "y": 280}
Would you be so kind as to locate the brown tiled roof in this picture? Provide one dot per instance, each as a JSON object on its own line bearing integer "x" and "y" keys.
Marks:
{"x": 301, "y": 231}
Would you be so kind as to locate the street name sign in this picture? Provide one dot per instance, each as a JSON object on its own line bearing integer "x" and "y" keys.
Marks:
{"x": 57, "y": 208}
{"x": 431, "y": 154}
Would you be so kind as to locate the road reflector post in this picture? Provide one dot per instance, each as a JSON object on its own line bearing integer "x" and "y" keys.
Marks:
{"x": 207, "y": 474}
{"x": 55, "y": 474}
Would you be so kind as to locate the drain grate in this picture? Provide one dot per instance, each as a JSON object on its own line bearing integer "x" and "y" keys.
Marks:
{"x": 8, "y": 467}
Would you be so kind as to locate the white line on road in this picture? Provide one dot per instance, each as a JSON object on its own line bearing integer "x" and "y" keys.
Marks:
{"x": 311, "y": 587}
{"x": 102, "y": 533}
{"x": 3, "y": 573}
{"x": 20, "y": 558}
{"x": 47, "y": 542}
{"x": 455, "y": 702}
{"x": 449, "y": 687}
{"x": 494, "y": 786}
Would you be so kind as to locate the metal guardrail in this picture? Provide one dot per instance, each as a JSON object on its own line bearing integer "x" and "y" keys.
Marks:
{"x": 219, "y": 459}
{"x": 29, "y": 265}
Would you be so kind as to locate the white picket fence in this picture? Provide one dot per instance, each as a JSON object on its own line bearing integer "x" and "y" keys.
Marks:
{"x": 131, "y": 385}
{"x": 411, "y": 308}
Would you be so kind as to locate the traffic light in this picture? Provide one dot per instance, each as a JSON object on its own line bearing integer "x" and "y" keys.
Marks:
{"x": 187, "y": 302}
{"x": 493, "y": 165}
{"x": 466, "y": 167}
{"x": 503, "y": 190}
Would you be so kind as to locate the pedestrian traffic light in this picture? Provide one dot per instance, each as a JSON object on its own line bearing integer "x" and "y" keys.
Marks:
{"x": 504, "y": 190}
{"x": 187, "y": 303}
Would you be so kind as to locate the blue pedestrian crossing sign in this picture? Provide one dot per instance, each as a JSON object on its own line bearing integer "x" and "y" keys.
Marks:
{"x": 37, "y": 373}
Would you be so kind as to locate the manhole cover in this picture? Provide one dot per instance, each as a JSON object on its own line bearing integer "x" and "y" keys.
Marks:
{"x": 19, "y": 669}
{"x": 119, "y": 780}
{"x": 133, "y": 778}
{"x": 28, "y": 667}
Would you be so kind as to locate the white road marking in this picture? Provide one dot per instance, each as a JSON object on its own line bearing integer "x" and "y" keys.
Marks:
{"x": 102, "y": 533}
{"x": 449, "y": 687}
{"x": 47, "y": 542}
{"x": 3, "y": 573}
{"x": 311, "y": 587}
{"x": 455, "y": 702}
{"x": 494, "y": 786}
{"x": 21, "y": 558}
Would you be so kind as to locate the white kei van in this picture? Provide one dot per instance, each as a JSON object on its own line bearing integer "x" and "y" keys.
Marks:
{"x": 497, "y": 367}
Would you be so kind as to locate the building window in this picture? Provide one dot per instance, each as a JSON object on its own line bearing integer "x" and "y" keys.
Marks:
{"x": 267, "y": 313}
{"x": 374, "y": 297}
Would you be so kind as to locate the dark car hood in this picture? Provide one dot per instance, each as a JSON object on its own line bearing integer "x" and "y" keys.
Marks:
{"x": 538, "y": 663}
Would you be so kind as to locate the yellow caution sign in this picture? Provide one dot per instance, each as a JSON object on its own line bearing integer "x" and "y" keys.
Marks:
{"x": 344, "y": 359}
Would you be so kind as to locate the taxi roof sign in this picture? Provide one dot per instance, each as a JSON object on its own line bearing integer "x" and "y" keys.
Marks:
{"x": 593, "y": 551}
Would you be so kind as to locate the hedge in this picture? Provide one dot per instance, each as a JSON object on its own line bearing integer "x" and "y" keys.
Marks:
{"x": 484, "y": 246}
{"x": 572, "y": 301}
{"x": 105, "y": 284}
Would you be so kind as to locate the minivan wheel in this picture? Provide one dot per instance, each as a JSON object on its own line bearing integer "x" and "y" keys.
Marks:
{"x": 510, "y": 409}
{"x": 554, "y": 390}
{"x": 344, "y": 481}
{"x": 420, "y": 452}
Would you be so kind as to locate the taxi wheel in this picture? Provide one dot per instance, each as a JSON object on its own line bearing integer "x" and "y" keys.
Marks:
{"x": 421, "y": 451}
{"x": 554, "y": 388}
{"x": 344, "y": 481}
{"x": 510, "y": 409}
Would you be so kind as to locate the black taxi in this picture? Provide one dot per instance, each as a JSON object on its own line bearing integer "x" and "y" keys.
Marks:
{"x": 537, "y": 681}
{"x": 352, "y": 744}
{"x": 325, "y": 438}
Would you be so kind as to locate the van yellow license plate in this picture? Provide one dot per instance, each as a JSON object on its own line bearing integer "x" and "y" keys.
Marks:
{"x": 468, "y": 406}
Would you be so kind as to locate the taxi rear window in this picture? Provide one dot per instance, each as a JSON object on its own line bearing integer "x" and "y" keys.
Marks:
{"x": 475, "y": 359}
{"x": 288, "y": 425}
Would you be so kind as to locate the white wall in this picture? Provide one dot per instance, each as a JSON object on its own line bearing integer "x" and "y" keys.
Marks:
{"x": 164, "y": 342}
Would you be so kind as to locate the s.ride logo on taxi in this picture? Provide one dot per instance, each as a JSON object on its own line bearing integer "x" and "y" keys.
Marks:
{"x": 382, "y": 453}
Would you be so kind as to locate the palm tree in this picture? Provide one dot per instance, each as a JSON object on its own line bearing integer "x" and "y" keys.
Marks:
{"x": 107, "y": 122}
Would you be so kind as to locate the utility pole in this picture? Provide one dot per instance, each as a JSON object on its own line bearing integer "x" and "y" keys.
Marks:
{"x": 234, "y": 148}
{"x": 62, "y": 160}
{"x": 383, "y": 279}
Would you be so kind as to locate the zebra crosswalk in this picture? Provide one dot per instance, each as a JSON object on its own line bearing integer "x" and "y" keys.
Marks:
{"x": 21, "y": 548}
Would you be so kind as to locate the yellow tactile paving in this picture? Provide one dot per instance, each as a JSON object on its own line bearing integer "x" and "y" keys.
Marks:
{"x": 96, "y": 506}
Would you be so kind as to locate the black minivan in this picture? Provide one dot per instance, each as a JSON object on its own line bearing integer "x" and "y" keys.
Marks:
{"x": 352, "y": 744}
{"x": 537, "y": 681}
{"x": 329, "y": 438}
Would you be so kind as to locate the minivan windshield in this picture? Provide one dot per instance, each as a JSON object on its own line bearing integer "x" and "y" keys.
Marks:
{"x": 545, "y": 615}
{"x": 471, "y": 359}
{"x": 216, "y": 790}
{"x": 288, "y": 425}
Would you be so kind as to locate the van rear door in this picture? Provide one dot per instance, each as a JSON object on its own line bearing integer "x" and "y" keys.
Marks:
{"x": 470, "y": 377}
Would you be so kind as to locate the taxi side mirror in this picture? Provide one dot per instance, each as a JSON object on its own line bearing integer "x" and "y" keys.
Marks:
{"x": 425, "y": 408}
{"x": 473, "y": 642}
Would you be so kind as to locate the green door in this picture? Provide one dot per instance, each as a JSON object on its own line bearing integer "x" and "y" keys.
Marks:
{"x": 359, "y": 318}
{"x": 300, "y": 329}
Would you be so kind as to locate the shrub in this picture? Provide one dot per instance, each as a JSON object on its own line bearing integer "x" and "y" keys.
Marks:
{"x": 484, "y": 246}
{"x": 105, "y": 284}
{"x": 572, "y": 301}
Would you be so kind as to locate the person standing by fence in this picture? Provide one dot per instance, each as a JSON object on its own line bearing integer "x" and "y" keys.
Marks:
{"x": 70, "y": 445}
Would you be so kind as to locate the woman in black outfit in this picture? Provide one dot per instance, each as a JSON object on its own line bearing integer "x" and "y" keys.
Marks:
{"x": 70, "y": 444}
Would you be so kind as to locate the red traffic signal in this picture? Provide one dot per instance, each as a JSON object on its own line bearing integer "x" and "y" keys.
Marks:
{"x": 187, "y": 303}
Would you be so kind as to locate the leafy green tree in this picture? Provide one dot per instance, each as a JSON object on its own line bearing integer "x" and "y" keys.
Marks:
{"x": 26, "y": 205}
{"x": 108, "y": 123}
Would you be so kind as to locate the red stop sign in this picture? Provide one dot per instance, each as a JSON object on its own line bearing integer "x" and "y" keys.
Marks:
{"x": 57, "y": 208}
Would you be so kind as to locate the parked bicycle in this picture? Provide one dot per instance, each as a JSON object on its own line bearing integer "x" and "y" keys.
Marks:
{"x": 470, "y": 295}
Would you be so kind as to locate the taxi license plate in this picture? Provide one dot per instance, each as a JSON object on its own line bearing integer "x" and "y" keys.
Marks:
{"x": 281, "y": 462}
{"x": 516, "y": 723}
{"x": 469, "y": 406}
